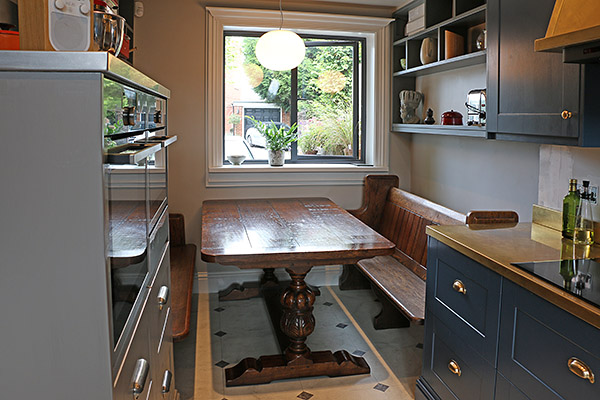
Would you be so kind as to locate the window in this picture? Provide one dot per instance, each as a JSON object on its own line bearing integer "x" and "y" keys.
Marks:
{"x": 324, "y": 97}
{"x": 373, "y": 32}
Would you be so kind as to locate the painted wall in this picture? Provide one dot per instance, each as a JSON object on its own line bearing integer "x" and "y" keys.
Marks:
{"x": 470, "y": 173}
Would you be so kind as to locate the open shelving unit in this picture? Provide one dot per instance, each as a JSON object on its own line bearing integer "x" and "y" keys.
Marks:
{"x": 466, "y": 18}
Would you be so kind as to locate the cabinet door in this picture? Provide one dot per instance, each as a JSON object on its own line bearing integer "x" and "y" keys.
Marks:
{"x": 528, "y": 91}
{"x": 543, "y": 350}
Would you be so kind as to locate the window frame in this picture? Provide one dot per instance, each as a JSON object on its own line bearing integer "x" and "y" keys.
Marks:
{"x": 359, "y": 117}
{"x": 377, "y": 31}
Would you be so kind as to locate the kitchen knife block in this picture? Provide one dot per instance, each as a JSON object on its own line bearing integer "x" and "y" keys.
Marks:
{"x": 34, "y": 25}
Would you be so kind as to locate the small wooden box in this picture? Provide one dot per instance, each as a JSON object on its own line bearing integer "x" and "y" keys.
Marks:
{"x": 34, "y": 25}
{"x": 454, "y": 45}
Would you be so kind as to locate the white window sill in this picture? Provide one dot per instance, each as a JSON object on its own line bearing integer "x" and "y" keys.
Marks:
{"x": 289, "y": 175}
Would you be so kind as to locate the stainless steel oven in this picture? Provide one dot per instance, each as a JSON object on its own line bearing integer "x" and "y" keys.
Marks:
{"x": 136, "y": 187}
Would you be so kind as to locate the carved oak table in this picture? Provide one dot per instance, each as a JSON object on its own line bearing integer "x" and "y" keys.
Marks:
{"x": 295, "y": 234}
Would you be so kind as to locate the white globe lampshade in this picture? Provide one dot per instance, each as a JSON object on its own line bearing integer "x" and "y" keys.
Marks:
{"x": 280, "y": 50}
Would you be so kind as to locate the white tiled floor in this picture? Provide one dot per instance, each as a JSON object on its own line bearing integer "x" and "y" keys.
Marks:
{"x": 392, "y": 354}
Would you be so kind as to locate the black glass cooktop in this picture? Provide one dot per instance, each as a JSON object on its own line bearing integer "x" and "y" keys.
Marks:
{"x": 578, "y": 277}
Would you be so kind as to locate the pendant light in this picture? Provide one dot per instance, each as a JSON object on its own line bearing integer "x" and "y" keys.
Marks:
{"x": 280, "y": 50}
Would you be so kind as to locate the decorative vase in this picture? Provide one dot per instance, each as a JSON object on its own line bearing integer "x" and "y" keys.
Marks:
{"x": 428, "y": 51}
{"x": 276, "y": 158}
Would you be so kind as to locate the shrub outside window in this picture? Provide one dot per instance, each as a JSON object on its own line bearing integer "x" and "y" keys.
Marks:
{"x": 324, "y": 95}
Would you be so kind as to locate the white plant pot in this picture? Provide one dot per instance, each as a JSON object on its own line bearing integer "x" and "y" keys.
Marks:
{"x": 276, "y": 158}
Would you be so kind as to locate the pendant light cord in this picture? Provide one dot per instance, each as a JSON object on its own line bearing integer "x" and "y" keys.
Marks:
{"x": 280, "y": 12}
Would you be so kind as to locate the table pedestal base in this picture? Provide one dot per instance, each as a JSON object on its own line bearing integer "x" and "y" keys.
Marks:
{"x": 265, "y": 369}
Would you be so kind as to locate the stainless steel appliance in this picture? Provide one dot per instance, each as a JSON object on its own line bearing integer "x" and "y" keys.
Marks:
{"x": 85, "y": 235}
{"x": 476, "y": 106}
{"x": 135, "y": 177}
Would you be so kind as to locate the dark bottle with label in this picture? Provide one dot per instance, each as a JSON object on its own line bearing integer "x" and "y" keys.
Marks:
{"x": 569, "y": 211}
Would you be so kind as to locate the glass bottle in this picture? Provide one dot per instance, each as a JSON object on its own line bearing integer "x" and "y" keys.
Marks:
{"x": 584, "y": 223}
{"x": 569, "y": 211}
{"x": 568, "y": 266}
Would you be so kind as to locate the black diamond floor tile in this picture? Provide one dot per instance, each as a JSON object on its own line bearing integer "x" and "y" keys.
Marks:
{"x": 341, "y": 325}
{"x": 222, "y": 364}
{"x": 219, "y": 309}
{"x": 358, "y": 353}
{"x": 220, "y": 334}
{"x": 381, "y": 387}
{"x": 305, "y": 395}
{"x": 328, "y": 304}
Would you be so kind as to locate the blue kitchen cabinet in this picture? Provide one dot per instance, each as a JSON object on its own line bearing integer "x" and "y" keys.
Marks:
{"x": 488, "y": 338}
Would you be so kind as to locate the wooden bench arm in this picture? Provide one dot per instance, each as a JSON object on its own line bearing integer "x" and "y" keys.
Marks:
{"x": 492, "y": 217}
{"x": 375, "y": 194}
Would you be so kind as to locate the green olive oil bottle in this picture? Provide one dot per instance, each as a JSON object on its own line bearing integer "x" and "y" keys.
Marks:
{"x": 569, "y": 211}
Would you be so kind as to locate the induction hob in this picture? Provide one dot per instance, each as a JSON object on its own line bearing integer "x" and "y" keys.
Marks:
{"x": 579, "y": 277}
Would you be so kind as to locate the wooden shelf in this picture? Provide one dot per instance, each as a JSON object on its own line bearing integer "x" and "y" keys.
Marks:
{"x": 468, "y": 18}
{"x": 466, "y": 60}
{"x": 447, "y": 130}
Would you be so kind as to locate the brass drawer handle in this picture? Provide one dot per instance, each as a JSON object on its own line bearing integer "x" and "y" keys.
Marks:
{"x": 566, "y": 114}
{"x": 580, "y": 369}
{"x": 459, "y": 286}
{"x": 454, "y": 368}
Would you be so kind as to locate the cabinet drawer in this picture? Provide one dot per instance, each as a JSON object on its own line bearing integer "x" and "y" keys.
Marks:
{"x": 165, "y": 366}
{"x": 139, "y": 350}
{"x": 506, "y": 390}
{"x": 159, "y": 301}
{"x": 537, "y": 341}
{"x": 464, "y": 295}
{"x": 452, "y": 368}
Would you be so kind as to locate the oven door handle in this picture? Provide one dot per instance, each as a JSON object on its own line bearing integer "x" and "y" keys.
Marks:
{"x": 160, "y": 224}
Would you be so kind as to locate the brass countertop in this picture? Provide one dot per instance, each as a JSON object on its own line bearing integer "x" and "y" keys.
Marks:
{"x": 497, "y": 246}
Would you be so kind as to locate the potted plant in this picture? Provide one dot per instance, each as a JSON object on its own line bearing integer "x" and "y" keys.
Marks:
{"x": 277, "y": 139}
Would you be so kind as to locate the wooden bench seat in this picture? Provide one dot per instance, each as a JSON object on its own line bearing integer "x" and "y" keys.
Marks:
{"x": 402, "y": 217}
{"x": 397, "y": 283}
{"x": 183, "y": 261}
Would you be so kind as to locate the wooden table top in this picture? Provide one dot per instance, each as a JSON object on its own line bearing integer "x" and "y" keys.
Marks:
{"x": 498, "y": 246}
{"x": 272, "y": 233}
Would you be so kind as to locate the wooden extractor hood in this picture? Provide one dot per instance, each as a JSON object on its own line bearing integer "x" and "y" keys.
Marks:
{"x": 574, "y": 29}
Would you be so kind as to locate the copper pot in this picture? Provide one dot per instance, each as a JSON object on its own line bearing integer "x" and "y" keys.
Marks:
{"x": 452, "y": 118}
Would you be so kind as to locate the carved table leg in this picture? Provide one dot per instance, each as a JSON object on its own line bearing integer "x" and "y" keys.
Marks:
{"x": 297, "y": 322}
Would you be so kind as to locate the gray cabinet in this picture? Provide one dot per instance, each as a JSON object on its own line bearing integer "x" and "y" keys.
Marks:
{"x": 533, "y": 96}
{"x": 58, "y": 337}
{"x": 488, "y": 338}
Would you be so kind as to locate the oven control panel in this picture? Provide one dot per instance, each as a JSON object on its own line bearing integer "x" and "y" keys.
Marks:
{"x": 69, "y": 24}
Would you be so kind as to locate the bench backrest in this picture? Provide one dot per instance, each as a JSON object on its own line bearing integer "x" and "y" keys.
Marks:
{"x": 403, "y": 221}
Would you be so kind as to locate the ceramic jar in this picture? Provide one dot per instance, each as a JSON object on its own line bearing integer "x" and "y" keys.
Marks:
{"x": 428, "y": 51}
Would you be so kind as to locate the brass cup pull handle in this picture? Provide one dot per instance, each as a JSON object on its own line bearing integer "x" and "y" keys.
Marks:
{"x": 459, "y": 286}
{"x": 566, "y": 114}
{"x": 454, "y": 368}
{"x": 580, "y": 369}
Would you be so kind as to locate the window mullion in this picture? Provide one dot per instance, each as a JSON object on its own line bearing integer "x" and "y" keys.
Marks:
{"x": 294, "y": 109}
{"x": 355, "y": 103}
